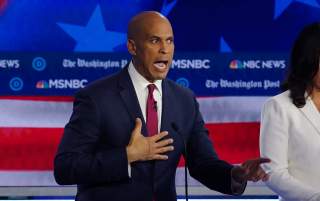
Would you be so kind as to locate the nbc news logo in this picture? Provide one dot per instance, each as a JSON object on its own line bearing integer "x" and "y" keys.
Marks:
{"x": 257, "y": 64}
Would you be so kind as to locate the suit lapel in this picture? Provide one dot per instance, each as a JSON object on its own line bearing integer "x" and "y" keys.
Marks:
{"x": 165, "y": 116}
{"x": 129, "y": 97}
{"x": 312, "y": 114}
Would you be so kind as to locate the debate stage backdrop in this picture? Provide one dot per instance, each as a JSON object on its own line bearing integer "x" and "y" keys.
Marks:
{"x": 232, "y": 54}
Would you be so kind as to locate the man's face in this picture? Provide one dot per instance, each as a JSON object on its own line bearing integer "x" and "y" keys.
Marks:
{"x": 152, "y": 49}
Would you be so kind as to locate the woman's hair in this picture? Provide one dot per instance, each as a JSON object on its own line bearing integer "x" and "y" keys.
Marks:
{"x": 304, "y": 64}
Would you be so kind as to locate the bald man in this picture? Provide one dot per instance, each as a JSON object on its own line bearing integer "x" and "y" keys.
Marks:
{"x": 127, "y": 132}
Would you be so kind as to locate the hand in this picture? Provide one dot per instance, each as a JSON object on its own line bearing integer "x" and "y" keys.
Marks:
{"x": 250, "y": 170}
{"x": 142, "y": 148}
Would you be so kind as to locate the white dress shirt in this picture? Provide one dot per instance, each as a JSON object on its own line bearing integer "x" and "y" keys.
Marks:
{"x": 140, "y": 85}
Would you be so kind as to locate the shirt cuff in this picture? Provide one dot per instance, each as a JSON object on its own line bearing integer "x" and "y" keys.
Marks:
{"x": 129, "y": 170}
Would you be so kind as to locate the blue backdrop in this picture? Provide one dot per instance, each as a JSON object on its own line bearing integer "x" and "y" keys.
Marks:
{"x": 222, "y": 47}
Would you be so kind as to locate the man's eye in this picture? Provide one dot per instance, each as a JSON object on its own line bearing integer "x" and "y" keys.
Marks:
{"x": 170, "y": 41}
{"x": 154, "y": 41}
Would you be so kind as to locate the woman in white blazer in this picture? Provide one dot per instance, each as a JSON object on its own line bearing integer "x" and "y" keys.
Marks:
{"x": 290, "y": 125}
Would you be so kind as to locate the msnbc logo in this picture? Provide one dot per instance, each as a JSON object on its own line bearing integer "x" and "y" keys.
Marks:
{"x": 42, "y": 84}
{"x": 236, "y": 64}
{"x": 61, "y": 84}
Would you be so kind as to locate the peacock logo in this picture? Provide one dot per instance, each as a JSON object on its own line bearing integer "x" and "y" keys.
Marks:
{"x": 42, "y": 84}
{"x": 236, "y": 64}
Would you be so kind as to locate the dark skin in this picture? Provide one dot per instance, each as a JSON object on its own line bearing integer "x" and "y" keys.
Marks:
{"x": 150, "y": 42}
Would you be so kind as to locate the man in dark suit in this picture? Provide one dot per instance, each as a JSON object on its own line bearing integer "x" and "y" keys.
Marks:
{"x": 112, "y": 148}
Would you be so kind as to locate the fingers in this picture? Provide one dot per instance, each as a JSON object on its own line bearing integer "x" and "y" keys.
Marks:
{"x": 158, "y": 153}
{"x": 163, "y": 143}
{"x": 159, "y": 136}
{"x": 255, "y": 163}
{"x": 159, "y": 157}
{"x": 138, "y": 125}
{"x": 159, "y": 146}
{"x": 265, "y": 177}
{"x": 253, "y": 171}
{"x": 259, "y": 175}
{"x": 249, "y": 168}
{"x": 263, "y": 160}
{"x": 163, "y": 149}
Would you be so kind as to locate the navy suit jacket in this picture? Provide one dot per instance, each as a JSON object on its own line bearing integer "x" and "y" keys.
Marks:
{"x": 92, "y": 152}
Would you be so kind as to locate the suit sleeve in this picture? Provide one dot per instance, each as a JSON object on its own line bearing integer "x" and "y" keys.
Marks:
{"x": 202, "y": 160}
{"x": 274, "y": 139}
{"x": 80, "y": 159}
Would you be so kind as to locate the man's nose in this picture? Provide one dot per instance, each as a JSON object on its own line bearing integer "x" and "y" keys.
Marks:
{"x": 164, "y": 48}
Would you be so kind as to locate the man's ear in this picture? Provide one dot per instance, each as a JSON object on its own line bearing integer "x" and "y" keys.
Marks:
{"x": 131, "y": 47}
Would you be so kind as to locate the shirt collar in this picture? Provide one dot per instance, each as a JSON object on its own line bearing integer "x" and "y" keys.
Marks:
{"x": 140, "y": 81}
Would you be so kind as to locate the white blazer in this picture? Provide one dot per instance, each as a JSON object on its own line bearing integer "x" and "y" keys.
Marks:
{"x": 290, "y": 137}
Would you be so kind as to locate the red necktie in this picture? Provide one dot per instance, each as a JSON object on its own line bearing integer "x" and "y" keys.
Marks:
{"x": 152, "y": 115}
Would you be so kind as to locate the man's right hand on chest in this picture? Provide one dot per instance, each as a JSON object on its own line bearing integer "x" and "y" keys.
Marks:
{"x": 141, "y": 148}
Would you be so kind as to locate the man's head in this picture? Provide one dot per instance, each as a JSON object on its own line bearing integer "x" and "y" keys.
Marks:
{"x": 150, "y": 42}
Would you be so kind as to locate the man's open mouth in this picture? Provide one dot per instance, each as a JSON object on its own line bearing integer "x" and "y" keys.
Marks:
{"x": 161, "y": 64}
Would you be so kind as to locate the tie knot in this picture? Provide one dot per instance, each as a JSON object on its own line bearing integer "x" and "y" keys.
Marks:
{"x": 151, "y": 88}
